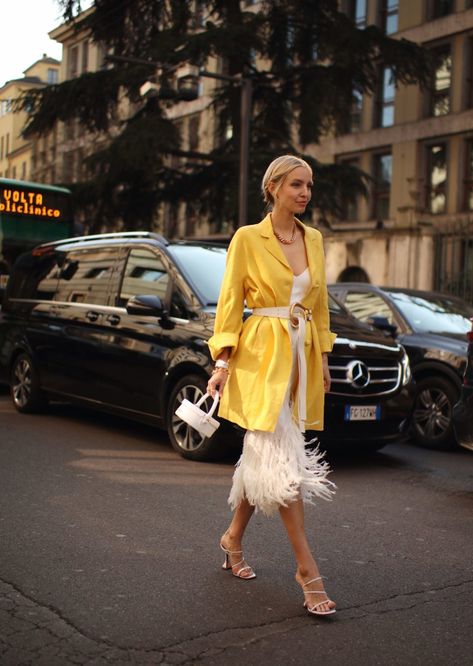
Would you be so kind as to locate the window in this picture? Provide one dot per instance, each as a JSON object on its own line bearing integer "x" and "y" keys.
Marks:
{"x": 469, "y": 75}
{"x": 356, "y": 10}
{"x": 23, "y": 171}
{"x": 70, "y": 130}
{"x": 85, "y": 56}
{"x": 384, "y": 104}
{"x": 440, "y": 94}
{"x": 389, "y": 16}
{"x": 85, "y": 276}
{"x": 194, "y": 132}
{"x": 7, "y": 145}
{"x": 73, "y": 69}
{"x": 365, "y": 304}
{"x": 145, "y": 273}
{"x": 52, "y": 76}
{"x": 439, "y": 8}
{"x": 200, "y": 12}
{"x": 36, "y": 276}
{"x": 436, "y": 195}
{"x": 13, "y": 172}
{"x": 349, "y": 206}
{"x": 69, "y": 166}
{"x": 468, "y": 189}
{"x": 355, "y": 112}
{"x": 382, "y": 175}
{"x": 1, "y": 147}
{"x": 5, "y": 106}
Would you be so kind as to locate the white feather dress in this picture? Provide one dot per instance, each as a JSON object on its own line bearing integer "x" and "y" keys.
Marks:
{"x": 276, "y": 468}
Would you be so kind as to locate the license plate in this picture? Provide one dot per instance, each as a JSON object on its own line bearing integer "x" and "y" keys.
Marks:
{"x": 362, "y": 412}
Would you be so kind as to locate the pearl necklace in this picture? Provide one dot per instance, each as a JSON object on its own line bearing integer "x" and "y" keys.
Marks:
{"x": 285, "y": 241}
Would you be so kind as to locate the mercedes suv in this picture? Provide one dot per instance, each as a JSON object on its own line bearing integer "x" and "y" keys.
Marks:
{"x": 120, "y": 322}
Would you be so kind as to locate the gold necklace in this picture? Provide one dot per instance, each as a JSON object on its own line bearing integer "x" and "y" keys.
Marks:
{"x": 285, "y": 241}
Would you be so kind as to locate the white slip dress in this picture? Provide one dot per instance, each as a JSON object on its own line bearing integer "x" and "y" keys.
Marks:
{"x": 276, "y": 468}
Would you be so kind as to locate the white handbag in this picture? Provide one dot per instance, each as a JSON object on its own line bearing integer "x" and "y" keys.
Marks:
{"x": 197, "y": 418}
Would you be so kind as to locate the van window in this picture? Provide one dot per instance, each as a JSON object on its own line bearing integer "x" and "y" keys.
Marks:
{"x": 85, "y": 276}
{"x": 35, "y": 275}
{"x": 365, "y": 304}
{"x": 145, "y": 273}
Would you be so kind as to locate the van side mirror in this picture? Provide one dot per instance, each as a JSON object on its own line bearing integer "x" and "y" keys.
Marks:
{"x": 382, "y": 323}
{"x": 146, "y": 305}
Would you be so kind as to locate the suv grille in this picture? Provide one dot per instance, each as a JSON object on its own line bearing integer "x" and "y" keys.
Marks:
{"x": 364, "y": 377}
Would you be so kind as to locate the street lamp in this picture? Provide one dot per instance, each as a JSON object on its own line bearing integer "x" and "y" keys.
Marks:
{"x": 187, "y": 89}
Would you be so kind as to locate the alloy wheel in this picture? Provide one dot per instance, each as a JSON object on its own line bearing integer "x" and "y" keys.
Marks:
{"x": 186, "y": 437}
{"x": 22, "y": 382}
{"x": 433, "y": 413}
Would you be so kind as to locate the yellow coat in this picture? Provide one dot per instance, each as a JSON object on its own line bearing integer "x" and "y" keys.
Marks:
{"x": 258, "y": 273}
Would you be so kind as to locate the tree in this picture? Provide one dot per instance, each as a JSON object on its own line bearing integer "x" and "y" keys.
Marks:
{"x": 306, "y": 60}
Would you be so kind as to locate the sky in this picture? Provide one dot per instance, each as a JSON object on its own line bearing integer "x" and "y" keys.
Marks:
{"x": 24, "y": 36}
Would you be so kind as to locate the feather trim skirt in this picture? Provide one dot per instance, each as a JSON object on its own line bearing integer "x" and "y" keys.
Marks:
{"x": 277, "y": 468}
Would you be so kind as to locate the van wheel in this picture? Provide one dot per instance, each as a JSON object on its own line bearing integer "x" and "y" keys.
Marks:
{"x": 25, "y": 389}
{"x": 432, "y": 423}
{"x": 184, "y": 439}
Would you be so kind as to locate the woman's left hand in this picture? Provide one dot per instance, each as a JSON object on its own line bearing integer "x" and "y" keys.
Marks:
{"x": 326, "y": 372}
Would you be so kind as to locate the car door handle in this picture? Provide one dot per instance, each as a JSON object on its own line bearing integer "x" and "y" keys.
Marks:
{"x": 92, "y": 315}
{"x": 113, "y": 319}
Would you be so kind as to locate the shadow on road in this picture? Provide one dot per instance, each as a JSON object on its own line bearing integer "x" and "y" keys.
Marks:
{"x": 145, "y": 434}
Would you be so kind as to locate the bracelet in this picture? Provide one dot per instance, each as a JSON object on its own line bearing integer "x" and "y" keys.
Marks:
{"x": 215, "y": 370}
{"x": 219, "y": 363}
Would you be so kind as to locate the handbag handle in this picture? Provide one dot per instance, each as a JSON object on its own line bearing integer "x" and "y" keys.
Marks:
{"x": 214, "y": 405}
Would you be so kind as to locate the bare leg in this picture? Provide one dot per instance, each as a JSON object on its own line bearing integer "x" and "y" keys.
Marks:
{"x": 232, "y": 538}
{"x": 293, "y": 519}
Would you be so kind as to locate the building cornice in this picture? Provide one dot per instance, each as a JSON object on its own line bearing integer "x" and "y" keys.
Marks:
{"x": 428, "y": 128}
{"x": 71, "y": 28}
{"x": 438, "y": 29}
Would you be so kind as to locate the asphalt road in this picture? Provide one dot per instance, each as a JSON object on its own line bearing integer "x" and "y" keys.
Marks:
{"x": 109, "y": 554}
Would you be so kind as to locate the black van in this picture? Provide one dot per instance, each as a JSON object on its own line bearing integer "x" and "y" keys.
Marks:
{"x": 120, "y": 322}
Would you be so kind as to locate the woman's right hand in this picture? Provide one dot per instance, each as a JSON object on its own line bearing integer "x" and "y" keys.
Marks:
{"x": 217, "y": 382}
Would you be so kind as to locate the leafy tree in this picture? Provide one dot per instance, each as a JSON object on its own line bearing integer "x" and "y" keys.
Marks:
{"x": 306, "y": 60}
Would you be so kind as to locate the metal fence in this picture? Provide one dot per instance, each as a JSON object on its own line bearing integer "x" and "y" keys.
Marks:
{"x": 454, "y": 259}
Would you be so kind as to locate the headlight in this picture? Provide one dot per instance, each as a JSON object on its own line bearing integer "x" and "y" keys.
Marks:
{"x": 406, "y": 369}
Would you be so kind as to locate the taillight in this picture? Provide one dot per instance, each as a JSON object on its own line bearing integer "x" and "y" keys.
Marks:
{"x": 469, "y": 336}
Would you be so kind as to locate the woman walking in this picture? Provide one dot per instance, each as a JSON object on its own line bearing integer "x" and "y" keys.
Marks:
{"x": 272, "y": 372}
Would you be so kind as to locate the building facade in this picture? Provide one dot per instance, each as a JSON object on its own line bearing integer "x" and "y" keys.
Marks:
{"x": 415, "y": 229}
{"x": 16, "y": 153}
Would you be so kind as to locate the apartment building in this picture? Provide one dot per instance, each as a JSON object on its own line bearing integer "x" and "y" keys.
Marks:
{"x": 15, "y": 151}
{"x": 58, "y": 156}
{"x": 416, "y": 228}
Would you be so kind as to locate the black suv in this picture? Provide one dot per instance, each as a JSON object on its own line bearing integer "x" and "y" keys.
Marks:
{"x": 432, "y": 327}
{"x": 121, "y": 322}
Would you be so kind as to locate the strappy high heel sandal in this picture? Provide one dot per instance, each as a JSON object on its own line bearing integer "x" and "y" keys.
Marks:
{"x": 227, "y": 565}
{"x": 313, "y": 609}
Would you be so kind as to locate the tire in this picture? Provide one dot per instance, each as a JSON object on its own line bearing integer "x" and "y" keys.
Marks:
{"x": 432, "y": 416}
{"x": 25, "y": 389}
{"x": 184, "y": 439}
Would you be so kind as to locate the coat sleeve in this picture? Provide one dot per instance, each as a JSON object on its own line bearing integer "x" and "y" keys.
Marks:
{"x": 321, "y": 315}
{"x": 229, "y": 316}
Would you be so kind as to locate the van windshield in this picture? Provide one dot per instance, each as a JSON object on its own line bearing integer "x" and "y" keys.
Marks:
{"x": 203, "y": 266}
{"x": 434, "y": 313}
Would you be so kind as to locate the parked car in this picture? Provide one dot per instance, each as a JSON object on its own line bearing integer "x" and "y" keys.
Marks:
{"x": 120, "y": 322}
{"x": 463, "y": 410}
{"x": 431, "y": 327}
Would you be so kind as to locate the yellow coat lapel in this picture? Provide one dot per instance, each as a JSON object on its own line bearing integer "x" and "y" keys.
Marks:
{"x": 270, "y": 242}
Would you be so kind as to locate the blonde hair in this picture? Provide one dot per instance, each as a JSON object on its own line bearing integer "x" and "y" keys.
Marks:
{"x": 276, "y": 173}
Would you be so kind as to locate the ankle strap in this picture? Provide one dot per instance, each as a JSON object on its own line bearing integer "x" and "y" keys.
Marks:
{"x": 312, "y": 581}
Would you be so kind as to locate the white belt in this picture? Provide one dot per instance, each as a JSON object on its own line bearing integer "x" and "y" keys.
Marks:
{"x": 298, "y": 315}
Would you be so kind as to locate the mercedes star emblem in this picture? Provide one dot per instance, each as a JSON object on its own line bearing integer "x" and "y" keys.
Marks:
{"x": 358, "y": 374}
